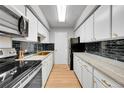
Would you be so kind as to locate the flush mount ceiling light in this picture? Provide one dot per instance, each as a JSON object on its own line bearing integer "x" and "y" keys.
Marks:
{"x": 61, "y": 9}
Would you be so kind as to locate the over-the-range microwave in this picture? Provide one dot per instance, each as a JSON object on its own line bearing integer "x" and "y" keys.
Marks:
{"x": 12, "y": 22}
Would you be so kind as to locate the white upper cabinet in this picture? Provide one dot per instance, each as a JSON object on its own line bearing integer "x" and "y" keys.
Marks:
{"x": 77, "y": 33}
{"x": 41, "y": 29}
{"x": 43, "y": 32}
{"x": 89, "y": 29}
{"x": 21, "y": 8}
{"x": 32, "y": 34}
{"x": 102, "y": 23}
{"x": 82, "y": 33}
{"x": 117, "y": 21}
{"x": 46, "y": 39}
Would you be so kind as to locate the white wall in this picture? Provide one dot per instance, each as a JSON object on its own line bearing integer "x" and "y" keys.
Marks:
{"x": 5, "y": 42}
{"x": 53, "y": 30}
{"x": 70, "y": 34}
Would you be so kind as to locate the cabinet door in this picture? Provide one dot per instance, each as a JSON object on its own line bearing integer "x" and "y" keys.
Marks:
{"x": 77, "y": 33}
{"x": 43, "y": 32}
{"x": 102, "y": 23}
{"x": 105, "y": 80}
{"x": 76, "y": 66}
{"x": 21, "y": 8}
{"x": 46, "y": 69}
{"x": 118, "y": 21}
{"x": 32, "y": 34}
{"x": 89, "y": 29}
{"x": 44, "y": 74}
{"x": 83, "y": 72}
{"x": 86, "y": 75}
{"x": 87, "y": 78}
{"x": 79, "y": 71}
{"x": 82, "y": 33}
{"x": 75, "y": 60}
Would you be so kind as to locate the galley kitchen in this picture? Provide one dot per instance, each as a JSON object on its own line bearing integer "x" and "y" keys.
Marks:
{"x": 56, "y": 46}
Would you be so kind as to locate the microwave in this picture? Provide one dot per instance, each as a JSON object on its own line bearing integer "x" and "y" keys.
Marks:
{"x": 12, "y": 22}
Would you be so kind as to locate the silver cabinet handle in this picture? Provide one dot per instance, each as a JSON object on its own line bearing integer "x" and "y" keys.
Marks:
{"x": 105, "y": 82}
{"x": 3, "y": 76}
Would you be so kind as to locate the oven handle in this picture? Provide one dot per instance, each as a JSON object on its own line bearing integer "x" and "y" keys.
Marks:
{"x": 12, "y": 71}
{"x": 3, "y": 76}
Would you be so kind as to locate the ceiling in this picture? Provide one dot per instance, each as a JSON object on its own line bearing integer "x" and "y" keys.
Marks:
{"x": 73, "y": 12}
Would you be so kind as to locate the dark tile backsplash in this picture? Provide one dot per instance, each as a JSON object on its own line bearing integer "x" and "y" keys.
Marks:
{"x": 45, "y": 46}
{"x": 113, "y": 49}
{"x": 32, "y": 47}
{"x": 29, "y": 47}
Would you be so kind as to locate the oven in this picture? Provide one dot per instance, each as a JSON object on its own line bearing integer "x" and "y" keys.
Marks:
{"x": 19, "y": 74}
{"x": 36, "y": 81}
{"x": 31, "y": 78}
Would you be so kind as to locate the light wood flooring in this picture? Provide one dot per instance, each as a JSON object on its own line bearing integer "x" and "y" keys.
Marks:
{"x": 62, "y": 77}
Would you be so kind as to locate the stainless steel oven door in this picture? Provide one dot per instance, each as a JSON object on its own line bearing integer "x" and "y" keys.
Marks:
{"x": 29, "y": 79}
{"x": 36, "y": 82}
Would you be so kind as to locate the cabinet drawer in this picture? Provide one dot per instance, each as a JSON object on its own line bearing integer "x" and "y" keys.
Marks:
{"x": 86, "y": 66}
{"x": 105, "y": 80}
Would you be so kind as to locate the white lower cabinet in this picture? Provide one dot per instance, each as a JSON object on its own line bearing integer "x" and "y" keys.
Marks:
{"x": 83, "y": 72}
{"x": 90, "y": 77}
{"x": 104, "y": 80}
{"x": 97, "y": 83}
{"x": 87, "y": 79}
{"x": 86, "y": 75}
{"x": 47, "y": 65}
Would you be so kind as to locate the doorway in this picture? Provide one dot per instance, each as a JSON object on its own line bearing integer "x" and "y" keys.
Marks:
{"x": 61, "y": 48}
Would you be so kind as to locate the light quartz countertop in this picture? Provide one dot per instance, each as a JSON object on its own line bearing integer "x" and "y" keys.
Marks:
{"x": 34, "y": 57}
{"x": 112, "y": 68}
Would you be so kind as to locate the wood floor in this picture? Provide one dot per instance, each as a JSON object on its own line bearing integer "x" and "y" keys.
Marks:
{"x": 62, "y": 77}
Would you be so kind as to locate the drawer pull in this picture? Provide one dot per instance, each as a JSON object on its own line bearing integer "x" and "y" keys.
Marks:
{"x": 94, "y": 81}
{"x": 106, "y": 83}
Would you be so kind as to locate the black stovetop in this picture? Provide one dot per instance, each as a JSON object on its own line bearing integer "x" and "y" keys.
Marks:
{"x": 21, "y": 67}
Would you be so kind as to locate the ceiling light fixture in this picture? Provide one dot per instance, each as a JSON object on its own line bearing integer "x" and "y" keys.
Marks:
{"x": 61, "y": 9}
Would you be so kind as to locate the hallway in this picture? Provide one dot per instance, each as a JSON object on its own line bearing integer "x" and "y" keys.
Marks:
{"x": 62, "y": 77}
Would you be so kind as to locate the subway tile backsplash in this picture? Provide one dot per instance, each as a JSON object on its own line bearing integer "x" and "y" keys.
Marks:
{"x": 113, "y": 49}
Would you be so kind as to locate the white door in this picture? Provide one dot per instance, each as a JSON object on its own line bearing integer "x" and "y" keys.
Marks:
{"x": 61, "y": 54}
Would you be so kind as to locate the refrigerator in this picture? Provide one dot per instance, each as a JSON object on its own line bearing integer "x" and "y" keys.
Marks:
{"x": 75, "y": 46}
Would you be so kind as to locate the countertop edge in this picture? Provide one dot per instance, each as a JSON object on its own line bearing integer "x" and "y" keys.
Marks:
{"x": 32, "y": 56}
{"x": 99, "y": 69}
